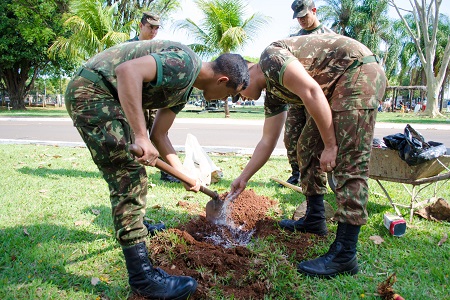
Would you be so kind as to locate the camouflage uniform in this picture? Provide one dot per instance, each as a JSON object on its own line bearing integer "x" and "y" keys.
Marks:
{"x": 93, "y": 105}
{"x": 353, "y": 83}
{"x": 296, "y": 115}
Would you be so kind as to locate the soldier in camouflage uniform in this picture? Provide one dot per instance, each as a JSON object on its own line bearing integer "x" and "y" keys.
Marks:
{"x": 305, "y": 13}
{"x": 106, "y": 99}
{"x": 340, "y": 83}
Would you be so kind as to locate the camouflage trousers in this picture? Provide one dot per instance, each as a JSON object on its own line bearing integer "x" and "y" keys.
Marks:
{"x": 150, "y": 115}
{"x": 295, "y": 121}
{"x": 354, "y": 134}
{"x": 107, "y": 137}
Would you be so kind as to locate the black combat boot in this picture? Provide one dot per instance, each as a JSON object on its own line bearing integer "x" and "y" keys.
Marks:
{"x": 153, "y": 228}
{"x": 314, "y": 220}
{"x": 295, "y": 177}
{"x": 168, "y": 177}
{"x": 151, "y": 282}
{"x": 340, "y": 258}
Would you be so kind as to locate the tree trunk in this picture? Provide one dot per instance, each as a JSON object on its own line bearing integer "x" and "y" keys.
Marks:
{"x": 432, "y": 109}
{"x": 15, "y": 82}
{"x": 226, "y": 108}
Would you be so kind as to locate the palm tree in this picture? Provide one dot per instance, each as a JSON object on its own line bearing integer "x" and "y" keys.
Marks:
{"x": 393, "y": 50}
{"x": 367, "y": 22}
{"x": 371, "y": 25}
{"x": 223, "y": 28}
{"x": 338, "y": 13}
{"x": 130, "y": 11}
{"x": 92, "y": 28}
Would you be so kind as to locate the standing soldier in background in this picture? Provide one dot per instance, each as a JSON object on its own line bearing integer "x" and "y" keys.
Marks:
{"x": 148, "y": 29}
{"x": 305, "y": 13}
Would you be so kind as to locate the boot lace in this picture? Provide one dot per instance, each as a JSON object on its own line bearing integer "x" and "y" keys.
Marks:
{"x": 334, "y": 250}
{"x": 160, "y": 275}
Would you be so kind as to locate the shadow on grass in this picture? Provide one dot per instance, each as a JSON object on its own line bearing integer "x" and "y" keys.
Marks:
{"x": 48, "y": 173}
{"x": 37, "y": 259}
{"x": 39, "y": 255}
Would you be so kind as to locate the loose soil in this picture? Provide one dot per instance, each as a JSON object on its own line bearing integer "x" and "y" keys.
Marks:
{"x": 225, "y": 264}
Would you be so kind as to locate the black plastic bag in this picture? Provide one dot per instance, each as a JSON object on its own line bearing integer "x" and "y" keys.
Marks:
{"x": 413, "y": 148}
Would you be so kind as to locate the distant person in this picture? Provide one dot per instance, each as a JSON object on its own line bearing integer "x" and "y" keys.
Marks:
{"x": 417, "y": 108}
{"x": 340, "y": 87}
{"x": 305, "y": 13}
{"x": 106, "y": 99}
{"x": 148, "y": 29}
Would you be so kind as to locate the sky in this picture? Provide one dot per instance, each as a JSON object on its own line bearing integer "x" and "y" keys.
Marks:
{"x": 279, "y": 26}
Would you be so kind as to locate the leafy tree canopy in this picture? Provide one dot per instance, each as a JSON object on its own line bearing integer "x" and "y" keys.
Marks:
{"x": 28, "y": 28}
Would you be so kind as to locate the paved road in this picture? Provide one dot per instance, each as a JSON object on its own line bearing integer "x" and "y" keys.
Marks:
{"x": 220, "y": 135}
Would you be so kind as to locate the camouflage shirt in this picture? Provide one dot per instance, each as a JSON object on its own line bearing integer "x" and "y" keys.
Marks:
{"x": 177, "y": 68}
{"x": 325, "y": 57}
{"x": 318, "y": 30}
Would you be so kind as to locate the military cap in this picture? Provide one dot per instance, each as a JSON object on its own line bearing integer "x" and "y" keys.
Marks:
{"x": 151, "y": 18}
{"x": 300, "y": 7}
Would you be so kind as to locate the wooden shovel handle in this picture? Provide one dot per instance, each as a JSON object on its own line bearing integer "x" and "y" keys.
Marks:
{"x": 165, "y": 167}
{"x": 287, "y": 184}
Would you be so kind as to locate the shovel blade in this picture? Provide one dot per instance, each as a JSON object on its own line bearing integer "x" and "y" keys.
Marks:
{"x": 214, "y": 209}
{"x": 217, "y": 210}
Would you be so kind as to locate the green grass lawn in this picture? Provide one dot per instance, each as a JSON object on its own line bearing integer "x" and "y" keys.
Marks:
{"x": 56, "y": 232}
{"x": 239, "y": 112}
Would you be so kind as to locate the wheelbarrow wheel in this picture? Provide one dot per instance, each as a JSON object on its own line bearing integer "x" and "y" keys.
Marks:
{"x": 331, "y": 181}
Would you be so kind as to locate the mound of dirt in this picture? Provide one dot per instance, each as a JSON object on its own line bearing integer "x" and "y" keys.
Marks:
{"x": 208, "y": 252}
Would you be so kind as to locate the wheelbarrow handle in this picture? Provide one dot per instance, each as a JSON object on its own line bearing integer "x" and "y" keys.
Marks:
{"x": 165, "y": 167}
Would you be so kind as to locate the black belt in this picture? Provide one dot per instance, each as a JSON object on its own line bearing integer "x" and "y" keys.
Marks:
{"x": 364, "y": 60}
{"x": 99, "y": 80}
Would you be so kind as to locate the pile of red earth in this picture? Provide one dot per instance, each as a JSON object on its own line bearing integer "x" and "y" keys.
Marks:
{"x": 200, "y": 256}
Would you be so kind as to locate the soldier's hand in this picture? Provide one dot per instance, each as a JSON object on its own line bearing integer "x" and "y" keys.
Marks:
{"x": 328, "y": 159}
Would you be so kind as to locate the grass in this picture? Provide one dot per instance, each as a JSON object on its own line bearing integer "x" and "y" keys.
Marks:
{"x": 56, "y": 233}
{"x": 239, "y": 112}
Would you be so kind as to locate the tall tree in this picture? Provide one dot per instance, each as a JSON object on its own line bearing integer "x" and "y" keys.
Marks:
{"x": 370, "y": 24}
{"x": 223, "y": 29}
{"x": 130, "y": 11}
{"x": 28, "y": 28}
{"x": 91, "y": 28}
{"x": 444, "y": 32}
{"x": 339, "y": 14}
{"x": 424, "y": 35}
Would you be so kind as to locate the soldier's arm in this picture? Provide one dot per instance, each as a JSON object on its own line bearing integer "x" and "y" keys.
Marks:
{"x": 298, "y": 81}
{"x": 160, "y": 137}
{"x": 130, "y": 78}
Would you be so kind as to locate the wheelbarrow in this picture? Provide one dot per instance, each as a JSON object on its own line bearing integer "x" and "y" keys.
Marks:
{"x": 386, "y": 165}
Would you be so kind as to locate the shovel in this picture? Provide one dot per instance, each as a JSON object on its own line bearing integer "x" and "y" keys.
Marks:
{"x": 213, "y": 207}
{"x": 287, "y": 184}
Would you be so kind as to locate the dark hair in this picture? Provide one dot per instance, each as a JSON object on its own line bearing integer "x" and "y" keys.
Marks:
{"x": 234, "y": 67}
{"x": 144, "y": 19}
